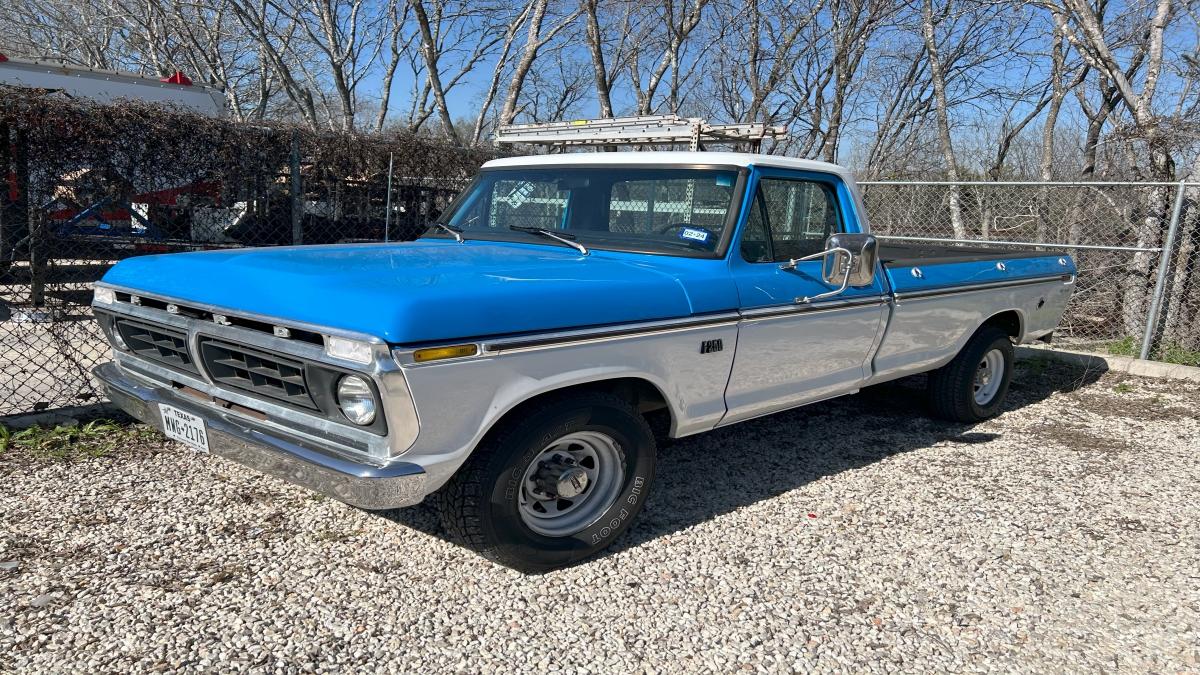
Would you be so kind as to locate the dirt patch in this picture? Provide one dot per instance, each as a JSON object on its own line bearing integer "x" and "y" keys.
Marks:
{"x": 1082, "y": 439}
{"x": 1153, "y": 408}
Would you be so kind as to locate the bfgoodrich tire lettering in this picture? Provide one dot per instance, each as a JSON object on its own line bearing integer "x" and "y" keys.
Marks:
{"x": 481, "y": 506}
{"x": 972, "y": 387}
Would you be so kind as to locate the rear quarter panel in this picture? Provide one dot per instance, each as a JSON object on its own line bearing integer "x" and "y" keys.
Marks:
{"x": 924, "y": 333}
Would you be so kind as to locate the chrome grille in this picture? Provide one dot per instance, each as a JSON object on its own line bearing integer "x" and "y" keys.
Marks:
{"x": 264, "y": 374}
{"x": 166, "y": 346}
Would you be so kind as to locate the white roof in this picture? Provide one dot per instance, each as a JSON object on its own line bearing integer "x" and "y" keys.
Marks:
{"x": 670, "y": 157}
{"x": 108, "y": 85}
{"x": 685, "y": 158}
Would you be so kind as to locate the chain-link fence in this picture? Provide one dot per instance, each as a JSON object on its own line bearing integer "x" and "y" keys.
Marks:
{"x": 1129, "y": 296}
{"x": 87, "y": 185}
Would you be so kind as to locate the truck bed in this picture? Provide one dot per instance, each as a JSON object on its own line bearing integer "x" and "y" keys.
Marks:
{"x": 942, "y": 293}
{"x": 899, "y": 254}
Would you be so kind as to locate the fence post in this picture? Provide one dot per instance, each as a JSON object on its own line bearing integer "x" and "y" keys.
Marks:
{"x": 387, "y": 217}
{"x": 1164, "y": 263}
{"x": 32, "y": 223}
{"x": 297, "y": 231}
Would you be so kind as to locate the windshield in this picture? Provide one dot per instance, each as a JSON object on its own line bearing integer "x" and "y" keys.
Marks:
{"x": 674, "y": 211}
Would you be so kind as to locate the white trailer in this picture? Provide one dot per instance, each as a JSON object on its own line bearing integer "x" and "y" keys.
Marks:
{"x": 108, "y": 85}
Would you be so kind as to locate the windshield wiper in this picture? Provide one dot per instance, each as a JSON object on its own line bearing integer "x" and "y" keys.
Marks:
{"x": 560, "y": 236}
{"x": 454, "y": 231}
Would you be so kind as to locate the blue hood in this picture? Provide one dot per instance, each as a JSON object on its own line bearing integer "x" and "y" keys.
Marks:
{"x": 433, "y": 290}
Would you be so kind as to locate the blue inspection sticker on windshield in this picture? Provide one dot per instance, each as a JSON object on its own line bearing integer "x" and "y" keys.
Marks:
{"x": 724, "y": 179}
{"x": 694, "y": 234}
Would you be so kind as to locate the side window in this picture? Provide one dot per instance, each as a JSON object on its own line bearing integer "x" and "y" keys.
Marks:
{"x": 800, "y": 216}
{"x": 756, "y": 245}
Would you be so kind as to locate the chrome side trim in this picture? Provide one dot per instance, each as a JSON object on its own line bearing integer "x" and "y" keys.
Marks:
{"x": 237, "y": 313}
{"x": 972, "y": 288}
{"x": 608, "y": 333}
{"x": 383, "y": 486}
{"x": 827, "y": 306}
{"x": 590, "y": 335}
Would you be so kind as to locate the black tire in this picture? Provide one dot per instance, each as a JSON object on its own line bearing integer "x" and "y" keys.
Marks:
{"x": 952, "y": 388}
{"x": 482, "y": 508}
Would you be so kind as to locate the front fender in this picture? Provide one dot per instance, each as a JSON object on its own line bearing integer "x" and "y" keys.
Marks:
{"x": 459, "y": 401}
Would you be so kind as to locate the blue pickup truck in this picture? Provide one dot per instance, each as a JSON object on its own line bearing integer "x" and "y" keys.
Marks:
{"x": 504, "y": 361}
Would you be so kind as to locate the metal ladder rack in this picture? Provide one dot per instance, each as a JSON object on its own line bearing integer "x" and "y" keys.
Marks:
{"x": 644, "y": 130}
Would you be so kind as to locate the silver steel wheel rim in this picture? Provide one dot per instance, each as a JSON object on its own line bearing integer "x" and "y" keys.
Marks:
{"x": 988, "y": 377}
{"x": 600, "y": 458}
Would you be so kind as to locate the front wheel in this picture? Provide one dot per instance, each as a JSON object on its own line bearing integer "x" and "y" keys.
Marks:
{"x": 553, "y": 485}
{"x": 972, "y": 387}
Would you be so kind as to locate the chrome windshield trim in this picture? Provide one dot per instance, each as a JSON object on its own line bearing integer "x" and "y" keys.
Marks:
{"x": 808, "y": 308}
{"x": 237, "y": 313}
{"x": 982, "y": 286}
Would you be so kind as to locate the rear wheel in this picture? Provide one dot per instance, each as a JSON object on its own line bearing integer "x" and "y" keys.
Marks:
{"x": 553, "y": 485}
{"x": 972, "y": 387}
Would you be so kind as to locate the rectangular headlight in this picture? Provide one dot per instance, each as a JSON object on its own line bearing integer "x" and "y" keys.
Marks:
{"x": 104, "y": 295}
{"x": 351, "y": 350}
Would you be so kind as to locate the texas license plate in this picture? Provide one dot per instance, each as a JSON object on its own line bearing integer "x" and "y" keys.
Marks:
{"x": 184, "y": 427}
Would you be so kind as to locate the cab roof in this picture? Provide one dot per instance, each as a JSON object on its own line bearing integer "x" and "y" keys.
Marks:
{"x": 670, "y": 158}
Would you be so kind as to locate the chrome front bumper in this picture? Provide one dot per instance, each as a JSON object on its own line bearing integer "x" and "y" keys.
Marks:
{"x": 367, "y": 486}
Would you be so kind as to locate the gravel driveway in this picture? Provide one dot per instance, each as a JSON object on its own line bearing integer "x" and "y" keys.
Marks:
{"x": 1060, "y": 537}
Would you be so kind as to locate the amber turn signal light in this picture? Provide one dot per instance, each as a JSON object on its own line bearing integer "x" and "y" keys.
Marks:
{"x": 438, "y": 353}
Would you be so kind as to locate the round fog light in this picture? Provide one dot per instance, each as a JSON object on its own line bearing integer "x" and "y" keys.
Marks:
{"x": 355, "y": 398}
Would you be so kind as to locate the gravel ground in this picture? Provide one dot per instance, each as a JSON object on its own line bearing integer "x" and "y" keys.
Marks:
{"x": 1059, "y": 537}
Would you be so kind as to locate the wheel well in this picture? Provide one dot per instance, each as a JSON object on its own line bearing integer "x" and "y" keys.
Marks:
{"x": 1009, "y": 322}
{"x": 637, "y": 392}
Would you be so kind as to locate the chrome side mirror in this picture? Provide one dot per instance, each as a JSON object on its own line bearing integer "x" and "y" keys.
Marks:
{"x": 848, "y": 260}
{"x": 859, "y": 269}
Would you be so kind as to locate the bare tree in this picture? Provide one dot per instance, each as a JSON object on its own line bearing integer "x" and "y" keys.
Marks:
{"x": 393, "y": 36}
{"x": 903, "y": 91}
{"x": 605, "y": 75}
{"x": 1083, "y": 26}
{"x": 276, "y": 37}
{"x": 454, "y": 38}
{"x": 431, "y": 52}
{"x": 536, "y": 38}
{"x": 513, "y": 27}
{"x": 555, "y": 92}
{"x": 677, "y": 22}
{"x": 1059, "y": 88}
{"x": 87, "y": 34}
{"x": 343, "y": 33}
{"x": 853, "y": 26}
{"x": 937, "y": 71}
